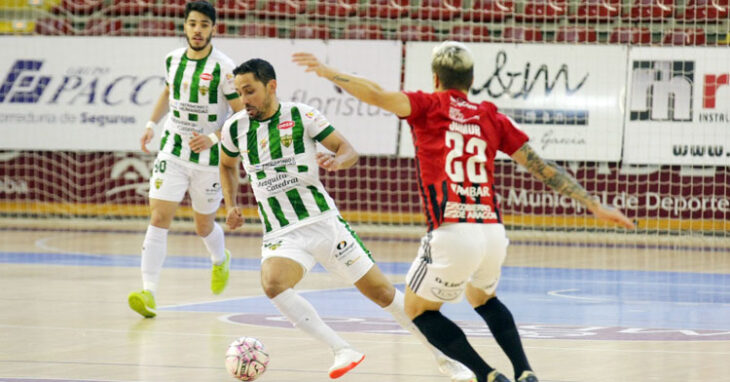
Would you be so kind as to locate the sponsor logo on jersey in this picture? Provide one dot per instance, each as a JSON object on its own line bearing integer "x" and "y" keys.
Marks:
{"x": 457, "y": 116}
{"x": 285, "y": 125}
{"x": 158, "y": 183}
{"x": 185, "y": 85}
{"x": 309, "y": 115}
{"x": 462, "y": 103}
{"x": 286, "y": 140}
{"x": 206, "y": 76}
{"x": 204, "y": 90}
{"x": 264, "y": 143}
{"x": 469, "y": 211}
{"x": 341, "y": 245}
{"x": 471, "y": 191}
{"x": 279, "y": 183}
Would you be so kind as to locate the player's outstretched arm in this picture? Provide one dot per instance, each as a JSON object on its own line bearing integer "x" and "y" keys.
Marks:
{"x": 345, "y": 155}
{"x": 559, "y": 180}
{"x": 361, "y": 88}
{"x": 161, "y": 108}
{"x": 229, "y": 185}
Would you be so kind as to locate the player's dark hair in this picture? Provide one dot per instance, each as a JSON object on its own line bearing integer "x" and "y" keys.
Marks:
{"x": 454, "y": 79}
{"x": 203, "y": 7}
{"x": 261, "y": 69}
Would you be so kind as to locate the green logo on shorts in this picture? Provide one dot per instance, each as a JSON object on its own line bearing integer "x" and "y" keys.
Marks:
{"x": 158, "y": 183}
{"x": 272, "y": 246}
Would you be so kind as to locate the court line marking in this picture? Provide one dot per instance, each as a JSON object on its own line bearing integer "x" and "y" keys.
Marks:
{"x": 412, "y": 340}
{"x": 598, "y": 300}
{"x": 582, "y": 244}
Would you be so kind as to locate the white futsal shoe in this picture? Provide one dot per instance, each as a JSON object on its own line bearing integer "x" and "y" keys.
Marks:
{"x": 345, "y": 360}
{"x": 455, "y": 370}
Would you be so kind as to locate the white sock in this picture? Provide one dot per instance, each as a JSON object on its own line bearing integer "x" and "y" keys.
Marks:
{"x": 397, "y": 310}
{"x": 215, "y": 242}
{"x": 302, "y": 314}
{"x": 154, "y": 250}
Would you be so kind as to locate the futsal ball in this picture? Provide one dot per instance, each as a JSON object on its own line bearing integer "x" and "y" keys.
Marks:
{"x": 246, "y": 359}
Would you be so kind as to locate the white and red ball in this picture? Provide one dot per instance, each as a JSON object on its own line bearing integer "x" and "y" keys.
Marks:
{"x": 246, "y": 359}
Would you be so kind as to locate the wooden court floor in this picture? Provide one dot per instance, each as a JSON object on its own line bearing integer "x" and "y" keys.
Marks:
{"x": 64, "y": 316}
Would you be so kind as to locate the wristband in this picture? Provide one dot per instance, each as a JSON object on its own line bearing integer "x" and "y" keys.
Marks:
{"x": 213, "y": 138}
{"x": 150, "y": 125}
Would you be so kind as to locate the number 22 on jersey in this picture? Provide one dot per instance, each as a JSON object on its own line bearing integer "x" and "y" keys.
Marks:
{"x": 474, "y": 166}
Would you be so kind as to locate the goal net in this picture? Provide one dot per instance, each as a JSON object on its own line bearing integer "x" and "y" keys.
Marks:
{"x": 631, "y": 97}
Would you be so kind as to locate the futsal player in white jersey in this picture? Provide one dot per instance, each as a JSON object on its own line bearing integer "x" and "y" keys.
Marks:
{"x": 199, "y": 93}
{"x": 301, "y": 224}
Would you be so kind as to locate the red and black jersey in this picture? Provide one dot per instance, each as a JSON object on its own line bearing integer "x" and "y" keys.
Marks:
{"x": 456, "y": 142}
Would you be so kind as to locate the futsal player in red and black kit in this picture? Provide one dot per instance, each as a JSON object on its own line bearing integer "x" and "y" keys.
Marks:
{"x": 456, "y": 142}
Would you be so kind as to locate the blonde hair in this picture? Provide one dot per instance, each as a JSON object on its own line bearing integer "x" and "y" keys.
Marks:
{"x": 453, "y": 63}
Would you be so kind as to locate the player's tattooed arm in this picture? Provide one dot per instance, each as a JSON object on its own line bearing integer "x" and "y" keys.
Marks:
{"x": 554, "y": 176}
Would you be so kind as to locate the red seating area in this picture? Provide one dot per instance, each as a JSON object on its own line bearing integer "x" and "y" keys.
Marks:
{"x": 650, "y": 10}
{"x": 335, "y": 8}
{"x": 489, "y": 10}
{"x": 311, "y": 31}
{"x": 363, "y": 32}
{"x": 469, "y": 33}
{"x": 597, "y": 11}
{"x": 543, "y": 11}
{"x": 705, "y": 11}
{"x": 576, "y": 34}
{"x": 685, "y": 37}
{"x": 521, "y": 34}
{"x": 630, "y": 35}
{"x": 386, "y": 9}
{"x": 438, "y": 10}
{"x": 670, "y": 22}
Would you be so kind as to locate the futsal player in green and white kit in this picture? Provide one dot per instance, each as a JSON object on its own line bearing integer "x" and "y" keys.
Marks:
{"x": 199, "y": 93}
{"x": 301, "y": 223}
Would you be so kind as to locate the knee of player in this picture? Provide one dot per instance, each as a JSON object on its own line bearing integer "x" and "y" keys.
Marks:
{"x": 272, "y": 286}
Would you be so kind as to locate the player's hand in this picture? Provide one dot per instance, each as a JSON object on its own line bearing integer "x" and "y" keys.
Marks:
{"x": 312, "y": 64}
{"x": 200, "y": 143}
{"x": 146, "y": 138}
{"x": 234, "y": 218}
{"x": 327, "y": 162}
{"x": 612, "y": 215}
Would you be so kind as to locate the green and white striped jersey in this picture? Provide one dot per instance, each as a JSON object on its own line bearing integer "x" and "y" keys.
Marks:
{"x": 279, "y": 156}
{"x": 199, "y": 94}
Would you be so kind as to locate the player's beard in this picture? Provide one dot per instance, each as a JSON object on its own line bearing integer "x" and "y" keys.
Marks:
{"x": 258, "y": 113}
{"x": 198, "y": 49}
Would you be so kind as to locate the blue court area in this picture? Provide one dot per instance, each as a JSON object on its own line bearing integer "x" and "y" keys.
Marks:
{"x": 610, "y": 304}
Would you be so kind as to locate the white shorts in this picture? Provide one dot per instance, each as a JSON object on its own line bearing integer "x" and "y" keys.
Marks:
{"x": 330, "y": 242}
{"x": 170, "y": 180}
{"x": 454, "y": 254}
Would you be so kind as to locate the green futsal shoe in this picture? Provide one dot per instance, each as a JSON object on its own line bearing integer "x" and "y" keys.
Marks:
{"x": 527, "y": 376}
{"x": 219, "y": 275}
{"x": 143, "y": 302}
{"x": 496, "y": 376}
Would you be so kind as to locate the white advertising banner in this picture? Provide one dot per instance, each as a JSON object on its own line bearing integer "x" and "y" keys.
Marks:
{"x": 678, "y": 106}
{"x": 96, "y": 94}
{"x": 567, "y": 98}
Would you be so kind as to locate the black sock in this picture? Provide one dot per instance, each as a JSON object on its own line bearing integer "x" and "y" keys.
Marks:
{"x": 451, "y": 340}
{"x": 503, "y": 328}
